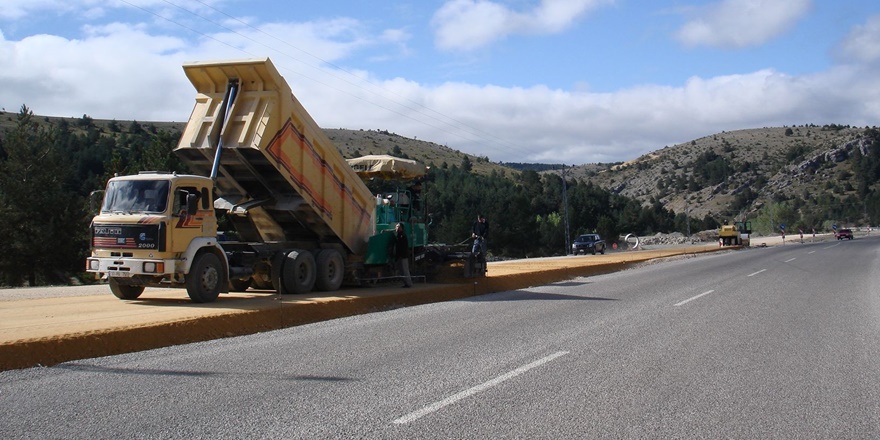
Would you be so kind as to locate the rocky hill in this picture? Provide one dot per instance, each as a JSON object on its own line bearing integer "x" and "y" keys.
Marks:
{"x": 726, "y": 175}
{"x": 730, "y": 174}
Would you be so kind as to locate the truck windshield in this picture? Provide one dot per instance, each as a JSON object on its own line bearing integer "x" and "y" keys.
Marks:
{"x": 136, "y": 196}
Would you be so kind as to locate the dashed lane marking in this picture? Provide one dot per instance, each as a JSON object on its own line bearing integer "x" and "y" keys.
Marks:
{"x": 693, "y": 298}
{"x": 436, "y": 406}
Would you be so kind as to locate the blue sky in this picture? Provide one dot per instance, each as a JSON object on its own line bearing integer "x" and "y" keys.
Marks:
{"x": 573, "y": 81}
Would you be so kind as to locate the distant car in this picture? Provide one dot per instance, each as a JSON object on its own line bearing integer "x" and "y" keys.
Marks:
{"x": 591, "y": 243}
{"x": 844, "y": 233}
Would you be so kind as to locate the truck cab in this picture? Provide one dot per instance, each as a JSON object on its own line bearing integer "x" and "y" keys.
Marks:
{"x": 148, "y": 230}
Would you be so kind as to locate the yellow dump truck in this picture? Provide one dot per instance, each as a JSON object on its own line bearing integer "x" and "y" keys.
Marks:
{"x": 271, "y": 203}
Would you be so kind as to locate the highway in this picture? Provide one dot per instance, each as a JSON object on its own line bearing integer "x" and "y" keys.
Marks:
{"x": 777, "y": 342}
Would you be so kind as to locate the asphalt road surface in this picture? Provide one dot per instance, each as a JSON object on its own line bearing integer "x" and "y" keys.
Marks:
{"x": 779, "y": 342}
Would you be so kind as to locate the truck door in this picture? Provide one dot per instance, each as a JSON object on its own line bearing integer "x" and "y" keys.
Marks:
{"x": 187, "y": 227}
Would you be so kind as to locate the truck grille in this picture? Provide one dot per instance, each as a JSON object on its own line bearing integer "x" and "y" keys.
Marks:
{"x": 148, "y": 237}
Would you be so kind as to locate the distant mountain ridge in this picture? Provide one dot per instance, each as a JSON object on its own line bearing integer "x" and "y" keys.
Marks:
{"x": 724, "y": 175}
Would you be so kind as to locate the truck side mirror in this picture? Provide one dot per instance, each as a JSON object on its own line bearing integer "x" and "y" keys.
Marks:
{"x": 192, "y": 204}
{"x": 96, "y": 198}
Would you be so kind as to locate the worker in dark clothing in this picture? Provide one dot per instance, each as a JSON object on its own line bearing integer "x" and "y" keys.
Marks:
{"x": 416, "y": 190}
{"x": 401, "y": 253}
{"x": 480, "y": 234}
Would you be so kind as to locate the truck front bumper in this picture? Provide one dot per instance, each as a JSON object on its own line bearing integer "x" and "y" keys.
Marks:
{"x": 130, "y": 267}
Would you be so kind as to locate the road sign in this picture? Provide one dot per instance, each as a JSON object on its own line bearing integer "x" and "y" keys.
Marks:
{"x": 782, "y": 226}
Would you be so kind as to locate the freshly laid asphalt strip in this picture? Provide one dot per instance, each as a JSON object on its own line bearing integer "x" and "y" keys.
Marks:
{"x": 38, "y": 339}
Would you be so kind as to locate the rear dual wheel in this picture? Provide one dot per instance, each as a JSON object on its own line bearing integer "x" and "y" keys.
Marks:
{"x": 293, "y": 272}
{"x": 298, "y": 271}
{"x": 330, "y": 270}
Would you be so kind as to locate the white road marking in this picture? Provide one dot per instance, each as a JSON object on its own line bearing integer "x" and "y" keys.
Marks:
{"x": 693, "y": 298}
{"x": 752, "y": 274}
{"x": 811, "y": 252}
{"x": 790, "y": 260}
{"x": 479, "y": 388}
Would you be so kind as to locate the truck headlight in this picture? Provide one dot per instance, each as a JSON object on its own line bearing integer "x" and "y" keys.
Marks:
{"x": 153, "y": 267}
{"x": 94, "y": 265}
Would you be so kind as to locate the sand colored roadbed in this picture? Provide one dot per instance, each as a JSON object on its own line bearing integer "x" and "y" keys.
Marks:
{"x": 50, "y": 330}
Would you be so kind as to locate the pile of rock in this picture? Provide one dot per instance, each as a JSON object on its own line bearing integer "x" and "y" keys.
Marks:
{"x": 675, "y": 239}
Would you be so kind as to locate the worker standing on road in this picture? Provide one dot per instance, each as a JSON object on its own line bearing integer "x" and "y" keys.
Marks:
{"x": 480, "y": 234}
{"x": 401, "y": 253}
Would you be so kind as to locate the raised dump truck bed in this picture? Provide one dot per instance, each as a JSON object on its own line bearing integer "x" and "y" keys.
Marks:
{"x": 279, "y": 175}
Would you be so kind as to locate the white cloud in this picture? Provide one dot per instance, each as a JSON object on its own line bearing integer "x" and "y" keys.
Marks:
{"x": 471, "y": 24}
{"x": 538, "y": 124}
{"x": 327, "y": 40}
{"x": 118, "y": 70}
{"x": 863, "y": 43}
{"x": 742, "y": 23}
{"x": 121, "y": 71}
{"x": 15, "y": 9}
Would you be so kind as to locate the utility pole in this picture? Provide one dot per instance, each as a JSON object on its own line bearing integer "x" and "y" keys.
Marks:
{"x": 772, "y": 225}
{"x": 565, "y": 211}
{"x": 687, "y": 214}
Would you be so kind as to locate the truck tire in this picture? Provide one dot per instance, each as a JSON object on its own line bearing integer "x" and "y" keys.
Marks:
{"x": 276, "y": 272}
{"x": 122, "y": 291}
{"x": 204, "y": 278}
{"x": 330, "y": 270}
{"x": 298, "y": 274}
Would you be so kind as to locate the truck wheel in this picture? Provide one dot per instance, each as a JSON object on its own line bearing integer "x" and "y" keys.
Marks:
{"x": 122, "y": 291}
{"x": 299, "y": 272}
{"x": 592, "y": 251}
{"x": 276, "y": 272}
{"x": 602, "y": 251}
{"x": 330, "y": 270}
{"x": 203, "y": 279}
